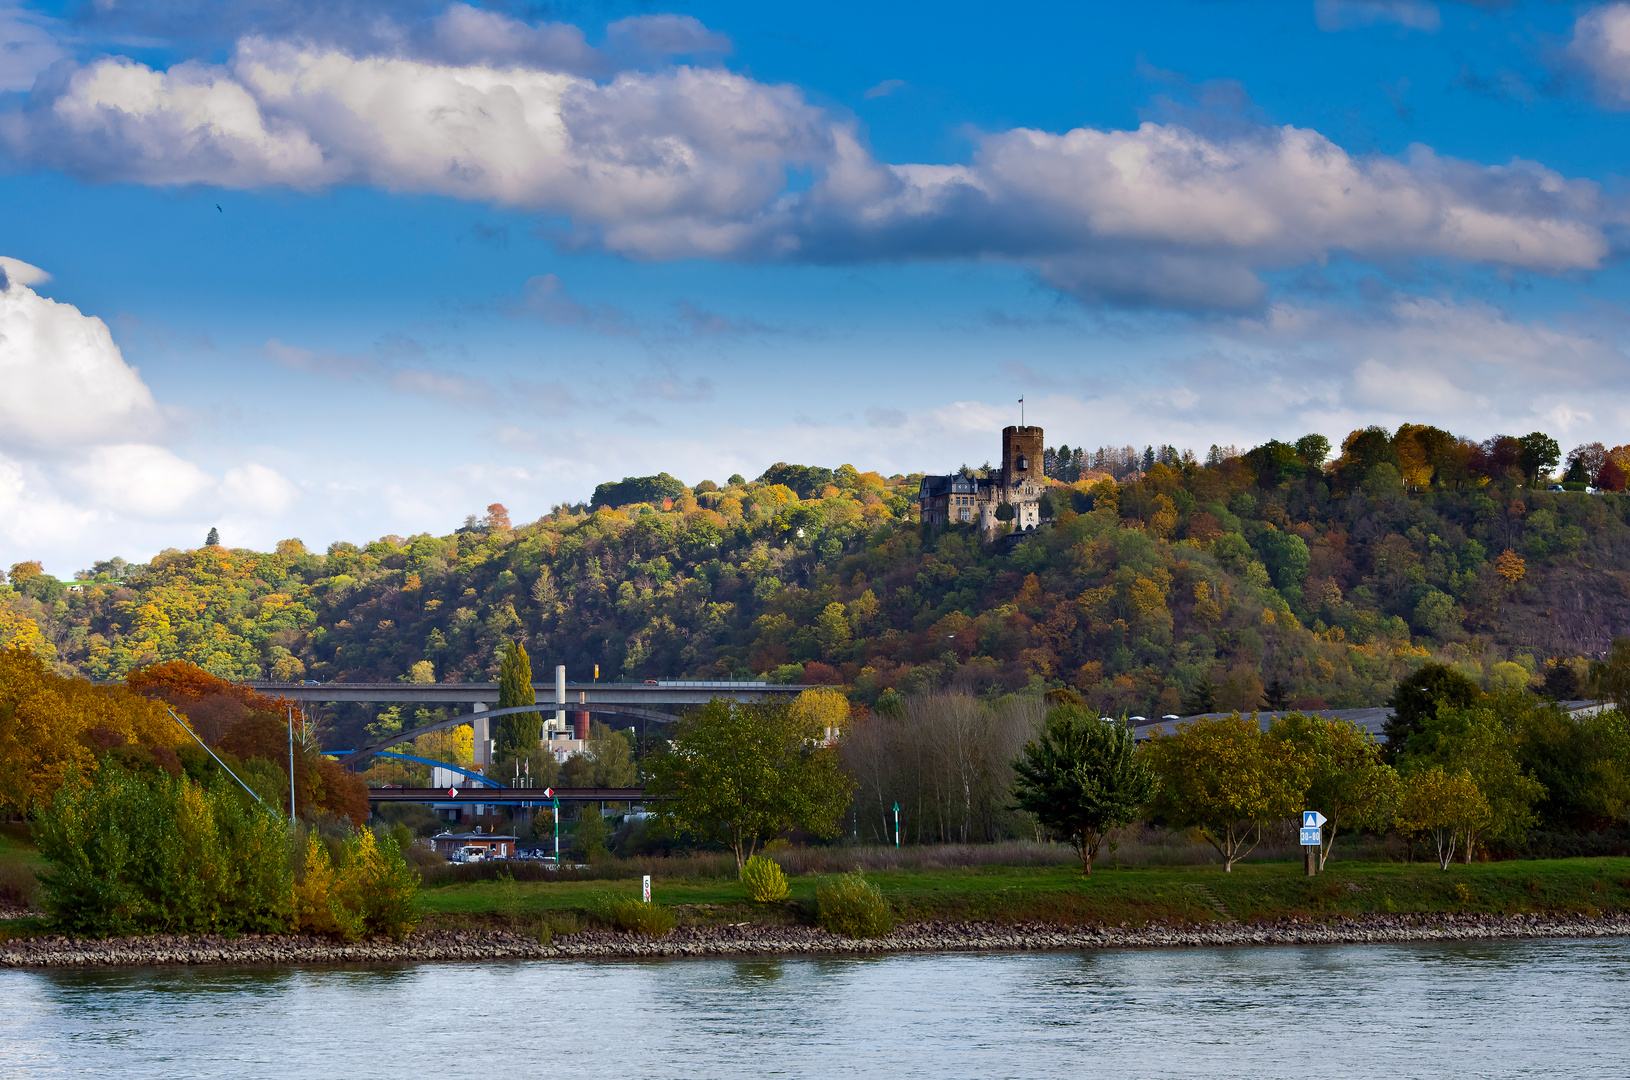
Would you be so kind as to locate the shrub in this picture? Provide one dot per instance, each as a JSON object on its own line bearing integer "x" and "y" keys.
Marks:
{"x": 557, "y": 923}
{"x": 132, "y": 854}
{"x": 852, "y": 906}
{"x": 766, "y": 884}
{"x": 630, "y": 915}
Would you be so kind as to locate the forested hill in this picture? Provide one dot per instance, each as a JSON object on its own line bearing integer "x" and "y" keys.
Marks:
{"x": 1268, "y": 575}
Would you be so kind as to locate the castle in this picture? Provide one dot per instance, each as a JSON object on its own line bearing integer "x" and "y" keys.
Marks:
{"x": 956, "y": 498}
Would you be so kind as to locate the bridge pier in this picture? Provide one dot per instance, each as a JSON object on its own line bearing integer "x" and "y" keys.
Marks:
{"x": 483, "y": 736}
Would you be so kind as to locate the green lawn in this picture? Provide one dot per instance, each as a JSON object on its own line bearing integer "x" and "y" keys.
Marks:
{"x": 1253, "y": 892}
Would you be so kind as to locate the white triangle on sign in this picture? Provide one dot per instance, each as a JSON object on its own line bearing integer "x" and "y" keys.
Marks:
{"x": 452, "y": 793}
{"x": 1312, "y": 819}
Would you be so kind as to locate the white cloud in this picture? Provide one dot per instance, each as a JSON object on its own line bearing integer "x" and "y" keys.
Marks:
{"x": 66, "y": 383}
{"x": 694, "y": 162}
{"x": 1601, "y": 48}
{"x": 140, "y": 480}
{"x": 27, "y": 47}
{"x": 258, "y": 490}
{"x": 79, "y": 454}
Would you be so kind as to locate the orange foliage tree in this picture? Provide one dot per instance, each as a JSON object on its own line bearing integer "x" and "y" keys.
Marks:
{"x": 48, "y": 723}
{"x": 250, "y": 725}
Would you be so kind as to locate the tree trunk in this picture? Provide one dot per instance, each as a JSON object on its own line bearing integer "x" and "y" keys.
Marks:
{"x": 1324, "y": 850}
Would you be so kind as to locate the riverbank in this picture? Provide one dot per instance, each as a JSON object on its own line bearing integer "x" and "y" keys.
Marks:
{"x": 758, "y": 940}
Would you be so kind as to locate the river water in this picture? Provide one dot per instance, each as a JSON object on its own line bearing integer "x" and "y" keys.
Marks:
{"x": 1555, "y": 1008}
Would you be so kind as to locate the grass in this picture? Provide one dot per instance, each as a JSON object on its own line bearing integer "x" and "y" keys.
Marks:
{"x": 1014, "y": 882}
{"x": 1254, "y": 892}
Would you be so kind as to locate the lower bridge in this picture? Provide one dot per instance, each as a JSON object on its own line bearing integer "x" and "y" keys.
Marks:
{"x": 500, "y": 796}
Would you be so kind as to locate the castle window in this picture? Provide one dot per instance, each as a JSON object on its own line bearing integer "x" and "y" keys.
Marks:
{"x": 1023, "y": 463}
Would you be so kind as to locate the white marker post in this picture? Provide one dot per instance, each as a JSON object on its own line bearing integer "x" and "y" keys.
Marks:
{"x": 1312, "y": 838}
{"x": 647, "y": 888}
{"x": 897, "y": 826}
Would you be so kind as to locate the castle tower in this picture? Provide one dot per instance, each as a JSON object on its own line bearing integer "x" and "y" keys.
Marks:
{"x": 1021, "y": 456}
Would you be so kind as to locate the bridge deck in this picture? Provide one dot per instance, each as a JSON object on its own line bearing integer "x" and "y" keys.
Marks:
{"x": 504, "y": 796}
{"x": 643, "y": 694}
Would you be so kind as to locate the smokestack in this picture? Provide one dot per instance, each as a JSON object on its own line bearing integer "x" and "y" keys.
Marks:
{"x": 560, "y": 693}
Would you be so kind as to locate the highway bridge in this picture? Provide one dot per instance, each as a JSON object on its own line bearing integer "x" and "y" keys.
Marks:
{"x": 638, "y": 695}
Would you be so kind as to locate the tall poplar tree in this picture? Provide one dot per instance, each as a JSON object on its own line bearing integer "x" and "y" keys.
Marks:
{"x": 517, "y": 734}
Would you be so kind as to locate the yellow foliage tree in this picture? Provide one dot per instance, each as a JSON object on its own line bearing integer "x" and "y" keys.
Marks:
{"x": 1510, "y": 566}
{"x": 18, "y": 631}
{"x": 1228, "y": 779}
{"x": 48, "y": 723}
{"x": 1445, "y": 805}
{"x": 823, "y": 707}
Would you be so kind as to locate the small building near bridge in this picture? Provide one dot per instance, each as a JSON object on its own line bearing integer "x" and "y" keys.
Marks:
{"x": 456, "y": 847}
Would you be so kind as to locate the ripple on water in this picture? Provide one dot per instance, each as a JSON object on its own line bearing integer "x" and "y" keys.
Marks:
{"x": 1531, "y": 1008}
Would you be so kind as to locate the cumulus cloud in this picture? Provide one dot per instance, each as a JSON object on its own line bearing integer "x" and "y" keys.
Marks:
{"x": 66, "y": 383}
{"x": 1600, "y": 47}
{"x": 692, "y": 162}
{"x": 80, "y": 432}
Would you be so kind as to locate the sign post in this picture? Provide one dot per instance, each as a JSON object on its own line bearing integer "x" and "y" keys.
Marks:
{"x": 896, "y": 826}
{"x": 1312, "y": 839}
{"x": 549, "y": 793}
{"x": 647, "y": 888}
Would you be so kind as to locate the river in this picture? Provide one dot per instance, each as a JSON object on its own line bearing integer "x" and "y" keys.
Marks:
{"x": 1553, "y": 1008}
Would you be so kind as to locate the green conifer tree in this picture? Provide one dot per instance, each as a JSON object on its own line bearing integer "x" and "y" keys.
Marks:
{"x": 517, "y": 734}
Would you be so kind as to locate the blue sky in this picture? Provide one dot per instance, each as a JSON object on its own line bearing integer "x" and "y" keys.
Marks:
{"x": 466, "y": 255}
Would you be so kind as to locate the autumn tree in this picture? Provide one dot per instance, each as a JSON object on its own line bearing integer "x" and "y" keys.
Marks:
{"x": 1081, "y": 778}
{"x": 1476, "y": 742}
{"x": 1444, "y": 805}
{"x": 50, "y": 724}
{"x": 1347, "y": 780}
{"x": 1227, "y": 778}
{"x": 741, "y": 774}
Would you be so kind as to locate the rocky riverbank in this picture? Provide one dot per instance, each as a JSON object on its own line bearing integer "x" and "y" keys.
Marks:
{"x": 754, "y": 940}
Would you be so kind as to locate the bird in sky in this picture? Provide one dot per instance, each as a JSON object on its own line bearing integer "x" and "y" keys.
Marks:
{"x": 218, "y": 207}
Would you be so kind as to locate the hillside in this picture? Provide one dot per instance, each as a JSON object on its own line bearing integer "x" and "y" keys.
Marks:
{"x": 1259, "y": 576}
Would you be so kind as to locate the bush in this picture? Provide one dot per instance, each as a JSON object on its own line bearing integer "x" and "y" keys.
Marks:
{"x": 852, "y": 906}
{"x": 766, "y": 884}
{"x": 135, "y": 854}
{"x": 558, "y": 923}
{"x": 632, "y": 916}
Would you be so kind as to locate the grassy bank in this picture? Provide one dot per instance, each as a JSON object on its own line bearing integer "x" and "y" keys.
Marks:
{"x": 999, "y": 883}
{"x": 1058, "y": 894}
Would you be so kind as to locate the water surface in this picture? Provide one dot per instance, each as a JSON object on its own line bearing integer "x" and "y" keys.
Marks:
{"x": 1494, "y": 1009}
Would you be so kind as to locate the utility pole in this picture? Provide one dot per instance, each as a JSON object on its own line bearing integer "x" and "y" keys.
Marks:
{"x": 291, "y": 763}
